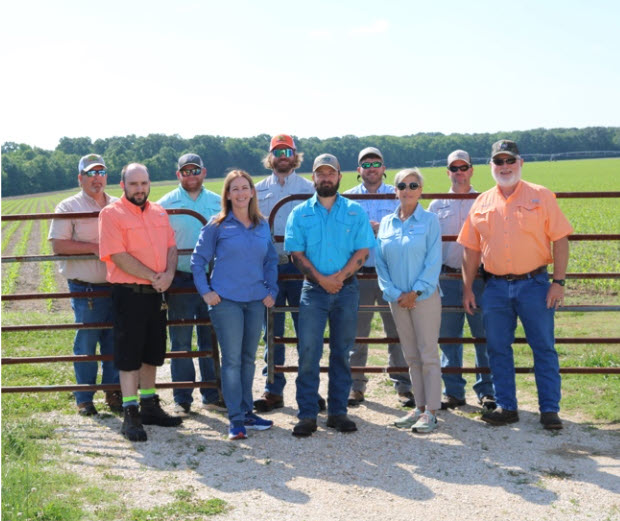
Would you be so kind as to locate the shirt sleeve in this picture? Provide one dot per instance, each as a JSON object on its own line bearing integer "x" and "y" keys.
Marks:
{"x": 110, "y": 236}
{"x": 557, "y": 225}
{"x": 428, "y": 280}
{"x": 202, "y": 255}
{"x": 294, "y": 239}
{"x": 364, "y": 238}
{"x": 61, "y": 228}
{"x": 469, "y": 236}
{"x": 390, "y": 291}
{"x": 270, "y": 268}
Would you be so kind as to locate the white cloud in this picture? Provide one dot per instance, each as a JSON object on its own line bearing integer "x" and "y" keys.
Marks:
{"x": 378, "y": 26}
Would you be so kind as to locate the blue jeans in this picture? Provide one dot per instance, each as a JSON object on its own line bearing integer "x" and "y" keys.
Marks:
{"x": 452, "y": 354}
{"x": 87, "y": 310}
{"x": 290, "y": 291}
{"x": 190, "y": 306}
{"x": 502, "y": 303}
{"x": 238, "y": 326}
{"x": 316, "y": 308}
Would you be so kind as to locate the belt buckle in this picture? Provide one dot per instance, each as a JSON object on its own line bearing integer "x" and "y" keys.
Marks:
{"x": 510, "y": 277}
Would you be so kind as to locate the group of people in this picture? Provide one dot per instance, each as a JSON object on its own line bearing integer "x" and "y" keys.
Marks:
{"x": 506, "y": 238}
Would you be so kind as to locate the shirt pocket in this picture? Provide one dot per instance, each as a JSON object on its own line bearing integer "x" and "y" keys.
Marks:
{"x": 529, "y": 216}
{"x": 482, "y": 220}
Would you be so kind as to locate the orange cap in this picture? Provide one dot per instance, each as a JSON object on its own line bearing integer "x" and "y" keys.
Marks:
{"x": 282, "y": 139}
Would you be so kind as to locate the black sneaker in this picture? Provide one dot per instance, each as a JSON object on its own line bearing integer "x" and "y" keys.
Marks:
{"x": 451, "y": 402}
{"x": 500, "y": 417}
{"x": 551, "y": 421}
{"x": 153, "y": 414}
{"x": 132, "y": 424}
{"x": 322, "y": 404}
{"x": 488, "y": 403}
{"x": 305, "y": 427}
{"x": 341, "y": 423}
{"x": 406, "y": 399}
{"x": 87, "y": 409}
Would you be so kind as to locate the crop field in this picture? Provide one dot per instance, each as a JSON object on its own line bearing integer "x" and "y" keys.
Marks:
{"x": 590, "y": 398}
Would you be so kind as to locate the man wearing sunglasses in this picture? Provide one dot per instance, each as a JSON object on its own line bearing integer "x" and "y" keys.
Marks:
{"x": 282, "y": 159}
{"x": 190, "y": 195}
{"x": 371, "y": 170}
{"x": 452, "y": 213}
{"x": 516, "y": 229}
{"x": 81, "y": 236}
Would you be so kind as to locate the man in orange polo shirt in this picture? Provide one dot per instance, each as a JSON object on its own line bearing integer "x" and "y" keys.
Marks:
{"x": 137, "y": 244}
{"x": 517, "y": 229}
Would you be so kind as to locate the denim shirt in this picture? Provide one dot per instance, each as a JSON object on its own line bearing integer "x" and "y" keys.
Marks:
{"x": 328, "y": 239}
{"x": 187, "y": 228}
{"x": 245, "y": 261}
{"x": 376, "y": 209}
{"x": 408, "y": 254}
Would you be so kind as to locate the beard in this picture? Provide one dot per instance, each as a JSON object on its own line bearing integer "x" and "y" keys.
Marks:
{"x": 138, "y": 199}
{"x": 507, "y": 182}
{"x": 327, "y": 189}
{"x": 284, "y": 165}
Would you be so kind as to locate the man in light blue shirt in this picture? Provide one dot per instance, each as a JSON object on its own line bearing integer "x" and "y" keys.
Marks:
{"x": 329, "y": 238}
{"x": 282, "y": 160}
{"x": 371, "y": 169}
{"x": 190, "y": 195}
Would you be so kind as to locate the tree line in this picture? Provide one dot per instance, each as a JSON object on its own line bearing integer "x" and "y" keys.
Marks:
{"x": 27, "y": 170}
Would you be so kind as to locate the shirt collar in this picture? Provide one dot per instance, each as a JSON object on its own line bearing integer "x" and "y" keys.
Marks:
{"x": 134, "y": 208}
{"x": 288, "y": 179}
{"x": 89, "y": 198}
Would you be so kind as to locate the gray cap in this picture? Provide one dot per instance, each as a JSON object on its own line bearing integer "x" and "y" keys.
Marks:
{"x": 89, "y": 162}
{"x": 504, "y": 146}
{"x": 369, "y": 151}
{"x": 326, "y": 160}
{"x": 190, "y": 159}
{"x": 459, "y": 154}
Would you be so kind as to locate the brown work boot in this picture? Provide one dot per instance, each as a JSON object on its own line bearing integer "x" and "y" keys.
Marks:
{"x": 132, "y": 424}
{"x": 87, "y": 409}
{"x": 551, "y": 421}
{"x": 269, "y": 402}
{"x": 153, "y": 414}
{"x": 355, "y": 398}
{"x": 114, "y": 399}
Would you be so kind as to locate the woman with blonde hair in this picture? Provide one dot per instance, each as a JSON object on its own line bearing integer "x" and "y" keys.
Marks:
{"x": 408, "y": 262}
{"x": 243, "y": 282}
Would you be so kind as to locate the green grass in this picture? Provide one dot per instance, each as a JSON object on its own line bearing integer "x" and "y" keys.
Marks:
{"x": 47, "y": 270}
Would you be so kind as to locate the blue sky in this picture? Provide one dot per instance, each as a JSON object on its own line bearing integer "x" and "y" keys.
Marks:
{"x": 317, "y": 68}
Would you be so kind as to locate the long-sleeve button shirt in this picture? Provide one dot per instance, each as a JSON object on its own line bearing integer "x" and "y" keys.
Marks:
{"x": 513, "y": 234}
{"x": 328, "y": 239}
{"x": 187, "y": 228}
{"x": 409, "y": 254}
{"x": 145, "y": 234}
{"x": 245, "y": 262}
{"x": 83, "y": 230}
{"x": 269, "y": 191}
{"x": 376, "y": 209}
{"x": 452, "y": 214}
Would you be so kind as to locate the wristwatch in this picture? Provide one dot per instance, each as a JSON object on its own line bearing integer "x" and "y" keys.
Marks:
{"x": 561, "y": 282}
{"x": 418, "y": 292}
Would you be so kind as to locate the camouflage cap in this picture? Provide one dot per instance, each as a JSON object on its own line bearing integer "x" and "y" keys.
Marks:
{"x": 190, "y": 159}
{"x": 89, "y": 162}
{"x": 459, "y": 155}
{"x": 369, "y": 151}
{"x": 504, "y": 146}
{"x": 326, "y": 160}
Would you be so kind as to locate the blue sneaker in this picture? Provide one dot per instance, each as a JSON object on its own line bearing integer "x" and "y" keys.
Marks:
{"x": 254, "y": 422}
{"x": 237, "y": 433}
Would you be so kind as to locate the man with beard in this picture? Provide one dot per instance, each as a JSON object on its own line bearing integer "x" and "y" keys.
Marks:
{"x": 138, "y": 247}
{"x": 329, "y": 237}
{"x": 371, "y": 170}
{"x": 282, "y": 160}
{"x": 190, "y": 195}
{"x": 81, "y": 236}
{"x": 511, "y": 228}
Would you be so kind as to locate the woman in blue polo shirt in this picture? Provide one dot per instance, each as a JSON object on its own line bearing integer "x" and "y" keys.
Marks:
{"x": 408, "y": 257}
{"x": 243, "y": 281}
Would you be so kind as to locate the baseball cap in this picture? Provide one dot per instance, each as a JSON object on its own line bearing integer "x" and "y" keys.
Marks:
{"x": 504, "y": 146}
{"x": 369, "y": 151}
{"x": 282, "y": 139}
{"x": 459, "y": 155}
{"x": 326, "y": 160}
{"x": 190, "y": 159}
{"x": 88, "y": 162}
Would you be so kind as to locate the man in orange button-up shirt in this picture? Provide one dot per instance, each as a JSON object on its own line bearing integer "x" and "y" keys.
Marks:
{"x": 511, "y": 228}
{"x": 137, "y": 244}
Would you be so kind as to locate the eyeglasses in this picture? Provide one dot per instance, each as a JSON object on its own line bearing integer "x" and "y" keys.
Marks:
{"x": 93, "y": 173}
{"x": 509, "y": 161}
{"x": 193, "y": 171}
{"x": 412, "y": 186}
{"x": 462, "y": 168}
{"x": 283, "y": 152}
{"x": 374, "y": 164}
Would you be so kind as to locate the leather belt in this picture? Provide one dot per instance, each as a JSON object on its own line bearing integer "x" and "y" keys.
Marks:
{"x": 448, "y": 269}
{"x": 367, "y": 269}
{"x": 344, "y": 282}
{"x": 139, "y": 288}
{"x": 84, "y": 283}
{"x": 509, "y": 277}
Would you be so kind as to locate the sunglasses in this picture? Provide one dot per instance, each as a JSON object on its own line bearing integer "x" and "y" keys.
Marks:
{"x": 283, "y": 152}
{"x": 462, "y": 168}
{"x": 193, "y": 171}
{"x": 509, "y": 161}
{"x": 412, "y": 186}
{"x": 374, "y": 164}
{"x": 93, "y": 173}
